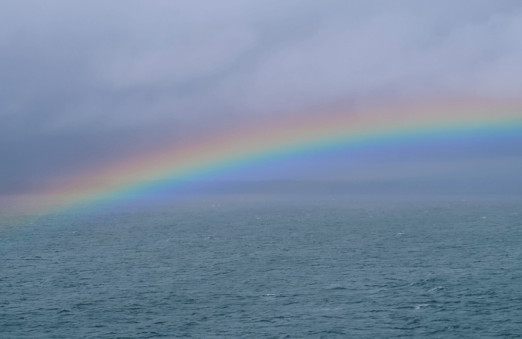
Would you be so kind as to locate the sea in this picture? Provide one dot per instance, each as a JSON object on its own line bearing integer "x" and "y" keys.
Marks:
{"x": 266, "y": 267}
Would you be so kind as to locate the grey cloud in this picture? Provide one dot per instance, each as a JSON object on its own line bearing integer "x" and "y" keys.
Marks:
{"x": 403, "y": 52}
{"x": 85, "y": 81}
{"x": 97, "y": 56}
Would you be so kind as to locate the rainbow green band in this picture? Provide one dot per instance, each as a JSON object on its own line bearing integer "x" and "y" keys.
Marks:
{"x": 279, "y": 138}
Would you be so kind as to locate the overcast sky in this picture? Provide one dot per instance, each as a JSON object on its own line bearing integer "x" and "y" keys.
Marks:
{"x": 86, "y": 82}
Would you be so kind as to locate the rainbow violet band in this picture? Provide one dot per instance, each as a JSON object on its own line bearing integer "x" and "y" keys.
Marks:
{"x": 279, "y": 138}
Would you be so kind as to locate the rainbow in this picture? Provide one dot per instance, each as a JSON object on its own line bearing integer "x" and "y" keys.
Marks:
{"x": 280, "y": 138}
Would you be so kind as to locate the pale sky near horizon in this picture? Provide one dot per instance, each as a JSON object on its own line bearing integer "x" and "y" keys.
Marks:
{"x": 86, "y": 82}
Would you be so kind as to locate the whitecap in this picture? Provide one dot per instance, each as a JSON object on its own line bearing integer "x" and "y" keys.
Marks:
{"x": 436, "y": 288}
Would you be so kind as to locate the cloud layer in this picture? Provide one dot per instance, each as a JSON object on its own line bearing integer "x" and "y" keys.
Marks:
{"x": 86, "y": 82}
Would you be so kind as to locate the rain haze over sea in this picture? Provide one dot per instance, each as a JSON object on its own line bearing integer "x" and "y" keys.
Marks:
{"x": 261, "y": 169}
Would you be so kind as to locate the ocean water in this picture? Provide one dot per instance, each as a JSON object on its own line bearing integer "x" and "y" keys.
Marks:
{"x": 266, "y": 268}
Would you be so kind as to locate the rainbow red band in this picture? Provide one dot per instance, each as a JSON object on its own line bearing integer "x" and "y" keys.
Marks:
{"x": 193, "y": 160}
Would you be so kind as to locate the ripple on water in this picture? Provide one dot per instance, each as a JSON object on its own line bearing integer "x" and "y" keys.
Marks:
{"x": 266, "y": 271}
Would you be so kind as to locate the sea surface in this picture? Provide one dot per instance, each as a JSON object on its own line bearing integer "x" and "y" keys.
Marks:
{"x": 266, "y": 268}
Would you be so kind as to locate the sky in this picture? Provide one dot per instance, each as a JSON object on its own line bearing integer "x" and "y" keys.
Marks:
{"x": 89, "y": 83}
